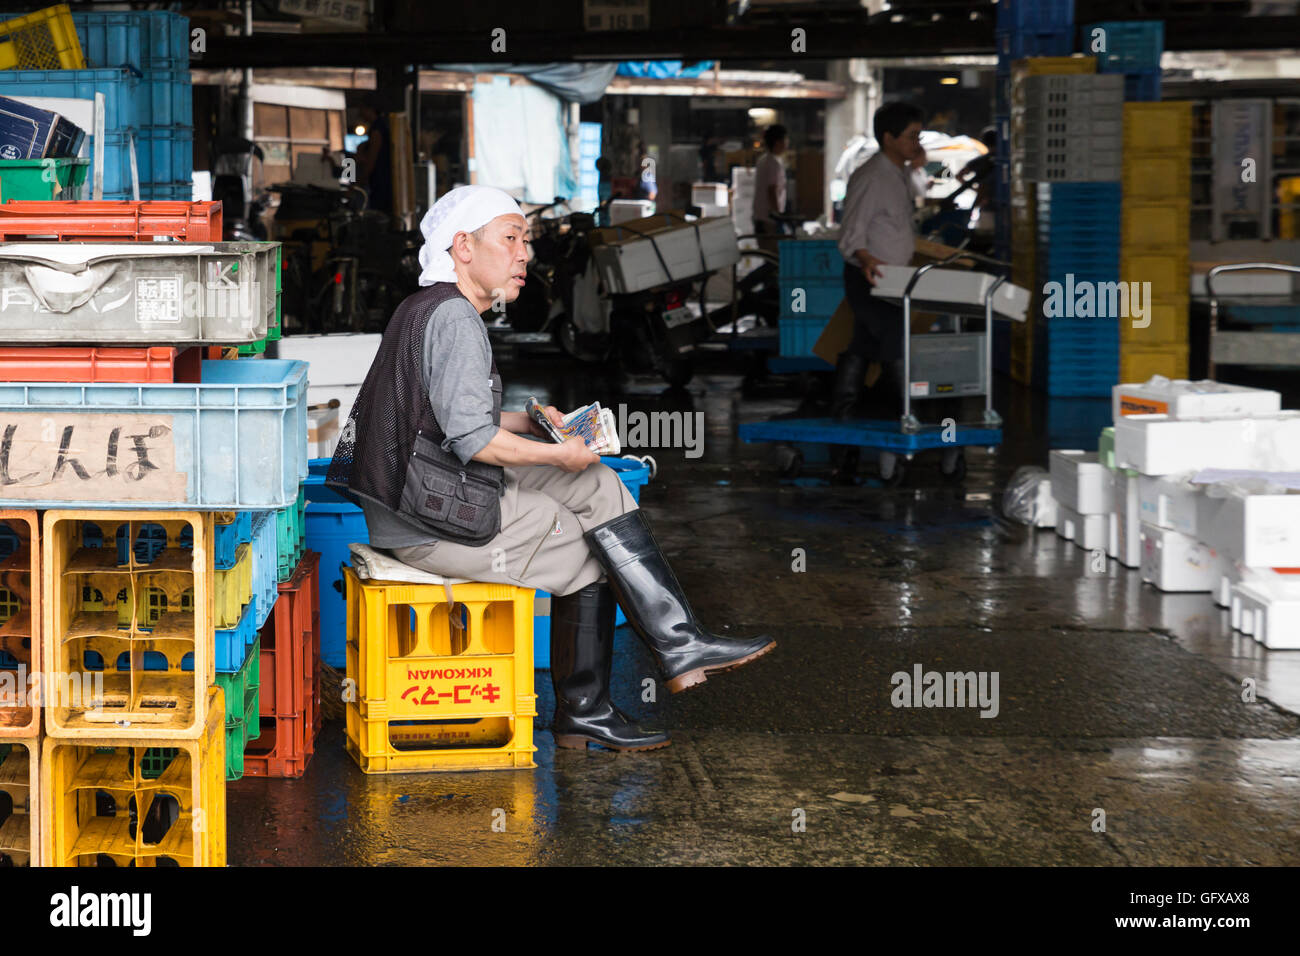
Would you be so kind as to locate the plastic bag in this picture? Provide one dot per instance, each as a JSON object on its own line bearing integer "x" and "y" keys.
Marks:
{"x": 1026, "y": 497}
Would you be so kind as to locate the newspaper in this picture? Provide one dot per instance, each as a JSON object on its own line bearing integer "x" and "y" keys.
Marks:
{"x": 593, "y": 424}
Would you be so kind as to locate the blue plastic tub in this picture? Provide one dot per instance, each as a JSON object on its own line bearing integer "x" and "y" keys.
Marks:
{"x": 239, "y": 439}
{"x": 1132, "y": 46}
{"x": 809, "y": 259}
{"x": 165, "y": 154}
{"x": 821, "y": 297}
{"x": 266, "y": 564}
{"x": 232, "y": 644}
{"x": 166, "y": 98}
{"x": 121, "y": 89}
{"x": 143, "y": 40}
{"x": 799, "y": 335}
{"x": 332, "y": 524}
{"x": 1031, "y": 15}
{"x": 229, "y": 537}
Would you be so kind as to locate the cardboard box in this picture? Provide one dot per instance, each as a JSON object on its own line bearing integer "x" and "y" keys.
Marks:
{"x": 1081, "y": 482}
{"x": 631, "y": 257}
{"x": 1175, "y": 562}
{"x": 29, "y": 132}
{"x": 1180, "y": 398}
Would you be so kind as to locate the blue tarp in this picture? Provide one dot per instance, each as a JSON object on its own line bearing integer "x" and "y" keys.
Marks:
{"x": 662, "y": 69}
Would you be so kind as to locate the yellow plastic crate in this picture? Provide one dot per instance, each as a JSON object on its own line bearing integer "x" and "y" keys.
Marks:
{"x": 1053, "y": 65}
{"x": 1139, "y": 364}
{"x": 436, "y": 691}
{"x": 1159, "y": 225}
{"x": 233, "y": 589}
{"x": 177, "y": 787}
{"x": 20, "y": 780}
{"x": 1157, "y": 178}
{"x": 1164, "y": 128}
{"x": 1169, "y": 273}
{"x": 1170, "y": 317}
{"x": 20, "y": 623}
{"x": 1288, "y": 200}
{"x": 44, "y": 40}
{"x": 86, "y": 640}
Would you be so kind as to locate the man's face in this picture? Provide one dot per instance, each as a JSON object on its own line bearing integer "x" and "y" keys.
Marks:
{"x": 907, "y": 145}
{"x": 500, "y": 258}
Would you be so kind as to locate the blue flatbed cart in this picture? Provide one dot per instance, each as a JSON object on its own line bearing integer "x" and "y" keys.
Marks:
{"x": 953, "y": 363}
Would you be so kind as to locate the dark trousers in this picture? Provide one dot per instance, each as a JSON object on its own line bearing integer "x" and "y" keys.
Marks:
{"x": 877, "y": 324}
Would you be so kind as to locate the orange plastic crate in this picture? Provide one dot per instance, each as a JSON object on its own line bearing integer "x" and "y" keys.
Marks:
{"x": 117, "y": 220}
{"x": 20, "y": 624}
{"x": 57, "y": 363}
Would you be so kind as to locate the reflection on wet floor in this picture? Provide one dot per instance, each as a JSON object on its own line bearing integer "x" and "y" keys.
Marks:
{"x": 1112, "y": 695}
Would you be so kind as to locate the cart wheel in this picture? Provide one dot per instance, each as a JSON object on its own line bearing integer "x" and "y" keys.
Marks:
{"x": 893, "y": 468}
{"x": 953, "y": 465}
{"x": 789, "y": 461}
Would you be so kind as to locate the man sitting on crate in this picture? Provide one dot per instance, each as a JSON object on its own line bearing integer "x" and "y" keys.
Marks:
{"x": 449, "y": 485}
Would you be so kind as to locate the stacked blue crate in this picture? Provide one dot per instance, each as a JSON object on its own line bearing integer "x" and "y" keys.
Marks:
{"x": 588, "y": 153}
{"x": 1131, "y": 47}
{"x": 810, "y": 274}
{"x": 154, "y": 47}
{"x": 1078, "y": 242}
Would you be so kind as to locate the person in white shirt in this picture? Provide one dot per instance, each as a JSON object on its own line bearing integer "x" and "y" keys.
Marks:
{"x": 878, "y": 229}
{"x": 769, "y": 183}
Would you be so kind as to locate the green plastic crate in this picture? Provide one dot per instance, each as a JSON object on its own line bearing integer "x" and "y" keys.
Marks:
{"x": 242, "y": 710}
{"x": 155, "y": 761}
{"x": 290, "y": 536}
{"x": 29, "y": 179}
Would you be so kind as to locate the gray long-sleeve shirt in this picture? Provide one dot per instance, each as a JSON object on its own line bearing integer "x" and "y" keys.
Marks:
{"x": 877, "y": 215}
{"x": 457, "y": 373}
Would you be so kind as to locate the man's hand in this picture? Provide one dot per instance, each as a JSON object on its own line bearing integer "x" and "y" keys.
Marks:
{"x": 574, "y": 455}
{"x": 553, "y": 414}
{"x": 870, "y": 265}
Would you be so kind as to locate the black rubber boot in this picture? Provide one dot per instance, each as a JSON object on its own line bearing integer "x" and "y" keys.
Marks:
{"x": 850, "y": 369}
{"x": 657, "y": 609}
{"x": 582, "y": 657}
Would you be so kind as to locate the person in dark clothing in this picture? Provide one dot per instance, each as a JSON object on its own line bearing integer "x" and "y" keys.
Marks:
{"x": 375, "y": 160}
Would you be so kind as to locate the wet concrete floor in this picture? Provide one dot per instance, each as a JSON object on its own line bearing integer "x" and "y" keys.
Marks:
{"x": 1111, "y": 697}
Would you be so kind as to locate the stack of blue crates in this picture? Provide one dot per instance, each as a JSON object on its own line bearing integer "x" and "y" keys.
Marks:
{"x": 1024, "y": 28}
{"x": 588, "y": 153}
{"x": 149, "y": 52}
{"x": 1078, "y": 242}
{"x": 1133, "y": 47}
{"x": 811, "y": 277}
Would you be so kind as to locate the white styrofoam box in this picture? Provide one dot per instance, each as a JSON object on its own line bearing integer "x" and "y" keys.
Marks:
{"x": 1151, "y": 502}
{"x": 1180, "y": 398}
{"x": 346, "y": 394}
{"x": 1268, "y": 609}
{"x": 1160, "y": 445}
{"x": 1128, "y": 519}
{"x": 1258, "y": 531}
{"x": 626, "y": 210}
{"x": 708, "y": 194}
{"x": 1243, "y": 283}
{"x": 636, "y": 262}
{"x": 1087, "y": 531}
{"x": 332, "y": 359}
{"x": 1080, "y": 481}
{"x": 1112, "y": 535}
{"x": 322, "y": 432}
{"x": 1175, "y": 562}
{"x": 957, "y": 286}
{"x": 1229, "y": 572}
{"x": 1045, "y": 508}
{"x": 1180, "y": 498}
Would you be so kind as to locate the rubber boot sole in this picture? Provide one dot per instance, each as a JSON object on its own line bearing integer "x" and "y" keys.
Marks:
{"x": 580, "y": 742}
{"x": 698, "y": 676}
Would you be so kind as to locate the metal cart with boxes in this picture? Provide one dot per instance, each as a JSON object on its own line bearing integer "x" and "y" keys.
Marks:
{"x": 954, "y": 362}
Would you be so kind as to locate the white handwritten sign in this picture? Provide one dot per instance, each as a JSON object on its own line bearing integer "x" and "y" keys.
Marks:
{"x": 83, "y": 456}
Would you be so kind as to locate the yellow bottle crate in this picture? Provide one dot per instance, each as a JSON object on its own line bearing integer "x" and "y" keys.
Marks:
{"x": 1288, "y": 201}
{"x": 233, "y": 589}
{"x": 1156, "y": 178}
{"x": 20, "y": 628}
{"x": 20, "y": 818}
{"x": 44, "y": 40}
{"x": 149, "y": 677}
{"x": 1164, "y": 128}
{"x": 1169, "y": 318}
{"x": 439, "y": 691}
{"x": 1053, "y": 65}
{"x": 1169, "y": 273}
{"x": 107, "y": 801}
{"x": 1139, "y": 364}
{"x": 1161, "y": 225}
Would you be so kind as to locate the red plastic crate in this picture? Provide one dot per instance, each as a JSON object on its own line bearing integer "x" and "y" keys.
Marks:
{"x": 80, "y": 221}
{"x": 57, "y": 363}
{"x": 279, "y": 750}
{"x": 281, "y": 692}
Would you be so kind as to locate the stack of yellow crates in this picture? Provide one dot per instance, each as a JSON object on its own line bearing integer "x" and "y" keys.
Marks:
{"x": 1154, "y": 238}
{"x": 1024, "y": 205}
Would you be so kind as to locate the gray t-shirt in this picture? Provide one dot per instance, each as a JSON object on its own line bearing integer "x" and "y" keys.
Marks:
{"x": 457, "y": 373}
{"x": 877, "y": 215}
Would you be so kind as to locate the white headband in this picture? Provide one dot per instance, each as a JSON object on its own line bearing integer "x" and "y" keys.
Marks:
{"x": 464, "y": 209}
